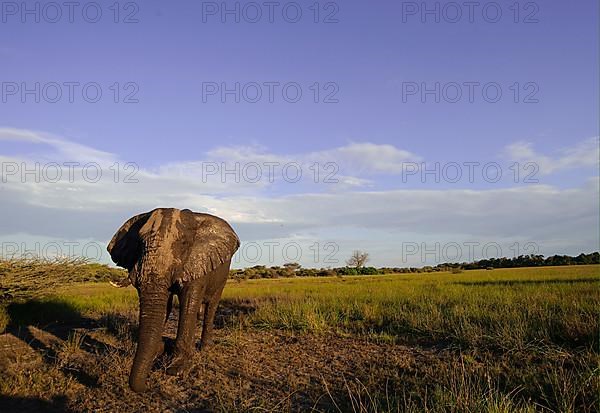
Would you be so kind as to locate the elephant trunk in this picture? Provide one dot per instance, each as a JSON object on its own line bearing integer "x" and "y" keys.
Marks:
{"x": 151, "y": 322}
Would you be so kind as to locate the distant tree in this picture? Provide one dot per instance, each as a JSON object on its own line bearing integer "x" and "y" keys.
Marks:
{"x": 358, "y": 259}
{"x": 291, "y": 268}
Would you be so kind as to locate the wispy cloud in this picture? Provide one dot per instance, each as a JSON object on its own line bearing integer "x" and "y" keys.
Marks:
{"x": 582, "y": 154}
{"x": 369, "y": 158}
{"x": 60, "y": 149}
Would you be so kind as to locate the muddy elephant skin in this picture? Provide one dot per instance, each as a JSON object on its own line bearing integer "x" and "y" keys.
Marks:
{"x": 173, "y": 252}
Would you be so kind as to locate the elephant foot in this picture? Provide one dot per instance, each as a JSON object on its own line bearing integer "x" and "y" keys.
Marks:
{"x": 204, "y": 344}
{"x": 207, "y": 340}
{"x": 137, "y": 385}
{"x": 180, "y": 365}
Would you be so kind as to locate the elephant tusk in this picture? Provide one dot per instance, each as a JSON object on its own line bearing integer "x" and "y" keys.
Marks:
{"x": 120, "y": 284}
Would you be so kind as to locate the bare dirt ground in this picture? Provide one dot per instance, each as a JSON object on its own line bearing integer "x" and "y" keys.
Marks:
{"x": 85, "y": 366}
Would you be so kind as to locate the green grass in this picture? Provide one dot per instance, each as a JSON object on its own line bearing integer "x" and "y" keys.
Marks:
{"x": 70, "y": 304}
{"x": 504, "y": 308}
{"x": 522, "y": 339}
{"x": 501, "y": 309}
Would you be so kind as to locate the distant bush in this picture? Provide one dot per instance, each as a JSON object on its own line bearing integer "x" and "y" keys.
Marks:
{"x": 347, "y": 271}
{"x": 295, "y": 270}
{"x": 327, "y": 272}
{"x": 368, "y": 271}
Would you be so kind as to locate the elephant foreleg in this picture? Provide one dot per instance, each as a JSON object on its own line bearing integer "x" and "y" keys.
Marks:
{"x": 189, "y": 304}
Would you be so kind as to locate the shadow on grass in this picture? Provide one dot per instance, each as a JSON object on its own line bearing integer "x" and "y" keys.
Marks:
{"x": 230, "y": 309}
{"x": 59, "y": 321}
{"x": 32, "y": 404}
{"x": 525, "y": 282}
{"x": 40, "y": 312}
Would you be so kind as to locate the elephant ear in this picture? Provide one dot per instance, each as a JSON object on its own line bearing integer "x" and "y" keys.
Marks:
{"x": 214, "y": 243}
{"x": 126, "y": 245}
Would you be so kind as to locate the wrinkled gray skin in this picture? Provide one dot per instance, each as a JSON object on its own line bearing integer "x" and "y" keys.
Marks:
{"x": 173, "y": 252}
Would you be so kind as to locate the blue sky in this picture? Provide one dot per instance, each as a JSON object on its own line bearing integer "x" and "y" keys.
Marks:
{"x": 368, "y": 138}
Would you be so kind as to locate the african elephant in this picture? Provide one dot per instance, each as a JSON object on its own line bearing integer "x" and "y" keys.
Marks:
{"x": 169, "y": 251}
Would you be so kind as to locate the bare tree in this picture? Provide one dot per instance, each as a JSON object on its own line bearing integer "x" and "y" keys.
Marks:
{"x": 358, "y": 259}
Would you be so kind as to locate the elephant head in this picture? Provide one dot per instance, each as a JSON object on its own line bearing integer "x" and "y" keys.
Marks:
{"x": 160, "y": 249}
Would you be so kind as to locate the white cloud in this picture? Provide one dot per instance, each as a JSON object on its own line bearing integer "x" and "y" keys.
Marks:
{"x": 558, "y": 220}
{"x": 349, "y": 161}
{"x": 366, "y": 157}
{"x": 583, "y": 154}
{"x": 60, "y": 149}
{"x": 555, "y": 220}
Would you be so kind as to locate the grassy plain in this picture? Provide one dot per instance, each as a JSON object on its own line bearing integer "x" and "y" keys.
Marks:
{"x": 522, "y": 339}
